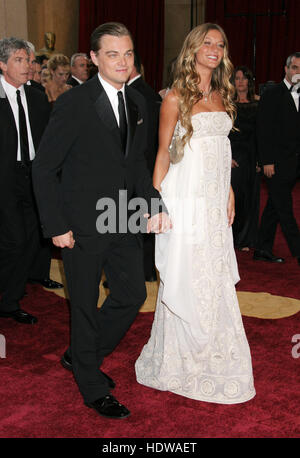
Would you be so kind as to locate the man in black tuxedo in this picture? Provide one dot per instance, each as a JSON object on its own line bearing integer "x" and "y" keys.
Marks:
{"x": 32, "y": 68}
{"x": 79, "y": 69}
{"x": 153, "y": 102}
{"x": 40, "y": 269}
{"x": 24, "y": 113}
{"x": 99, "y": 151}
{"x": 278, "y": 136}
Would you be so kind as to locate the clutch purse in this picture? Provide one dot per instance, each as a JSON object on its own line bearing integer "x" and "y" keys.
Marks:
{"x": 176, "y": 147}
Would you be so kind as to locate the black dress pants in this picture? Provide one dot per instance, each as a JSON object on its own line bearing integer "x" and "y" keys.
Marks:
{"x": 40, "y": 268}
{"x": 96, "y": 332}
{"x": 279, "y": 209}
{"x": 19, "y": 240}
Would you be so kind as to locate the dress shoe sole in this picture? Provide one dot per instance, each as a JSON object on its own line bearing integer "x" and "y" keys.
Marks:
{"x": 66, "y": 365}
{"x": 258, "y": 258}
{"x": 32, "y": 320}
{"x": 107, "y": 416}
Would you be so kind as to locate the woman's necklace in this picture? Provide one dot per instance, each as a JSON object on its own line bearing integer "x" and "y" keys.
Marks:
{"x": 205, "y": 94}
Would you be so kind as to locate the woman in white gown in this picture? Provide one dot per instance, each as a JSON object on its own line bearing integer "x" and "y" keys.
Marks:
{"x": 198, "y": 347}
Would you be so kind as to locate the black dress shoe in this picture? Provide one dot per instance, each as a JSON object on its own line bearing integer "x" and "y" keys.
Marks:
{"x": 262, "y": 255}
{"x": 66, "y": 362}
{"x": 47, "y": 283}
{"x": 109, "y": 407}
{"x": 19, "y": 315}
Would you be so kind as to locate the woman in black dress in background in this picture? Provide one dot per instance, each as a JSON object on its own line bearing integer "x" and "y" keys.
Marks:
{"x": 244, "y": 174}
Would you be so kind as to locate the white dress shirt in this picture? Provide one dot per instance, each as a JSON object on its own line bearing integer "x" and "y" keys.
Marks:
{"x": 112, "y": 94}
{"x": 294, "y": 92}
{"x": 77, "y": 79}
{"x": 11, "y": 94}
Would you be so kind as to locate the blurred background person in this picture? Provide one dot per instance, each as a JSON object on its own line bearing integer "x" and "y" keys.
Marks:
{"x": 37, "y": 73}
{"x": 245, "y": 178}
{"x": 278, "y": 128}
{"x": 79, "y": 69}
{"x": 59, "y": 68}
{"x": 32, "y": 69}
{"x": 153, "y": 102}
{"x": 45, "y": 75}
{"x": 170, "y": 78}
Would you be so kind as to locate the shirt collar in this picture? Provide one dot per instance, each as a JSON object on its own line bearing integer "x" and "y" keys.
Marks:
{"x": 77, "y": 79}
{"x": 133, "y": 79}
{"x": 9, "y": 89}
{"x": 110, "y": 90}
{"x": 288, "y": 85}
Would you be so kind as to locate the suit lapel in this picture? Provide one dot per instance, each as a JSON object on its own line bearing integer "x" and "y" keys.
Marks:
{"x": 132, "y": 117}
{"x": 289, "y": 98}
{"x": 106, "y": 115}
{"x": 31, "y": 114}
{"x": 7, "y": 112}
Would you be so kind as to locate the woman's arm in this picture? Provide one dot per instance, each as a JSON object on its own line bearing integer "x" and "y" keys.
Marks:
{"x": 167, "y": 123}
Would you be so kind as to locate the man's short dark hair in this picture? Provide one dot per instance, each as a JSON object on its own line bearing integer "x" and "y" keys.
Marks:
{"x": 289, "y": 59}
{"x": 115, "y": 29}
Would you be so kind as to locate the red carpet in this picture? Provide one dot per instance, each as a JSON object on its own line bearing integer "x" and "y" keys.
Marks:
{"x": 40, "y": 399}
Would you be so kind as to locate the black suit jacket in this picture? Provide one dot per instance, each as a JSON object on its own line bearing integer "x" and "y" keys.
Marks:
{"x": 278, "y": 129}
{"x": 83, "y": 141}
{"x": 153, "y": 102}
{"x": 38, "y": 110}
{"x": 37, "y": 85}
{"x": 73, "y": 82}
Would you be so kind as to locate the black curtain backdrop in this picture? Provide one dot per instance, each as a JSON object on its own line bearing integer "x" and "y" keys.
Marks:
{"x": 272, "y": 24}
{"x": 144, "y": 19}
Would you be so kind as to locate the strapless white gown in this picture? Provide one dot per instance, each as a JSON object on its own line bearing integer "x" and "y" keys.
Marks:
{"x": 198, "y": 347}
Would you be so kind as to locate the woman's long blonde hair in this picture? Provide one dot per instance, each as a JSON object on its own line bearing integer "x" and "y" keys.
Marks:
{"x": 186, "y": 81}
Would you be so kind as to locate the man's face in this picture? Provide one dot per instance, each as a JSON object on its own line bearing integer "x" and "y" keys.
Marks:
{"x": 37, "y": 73}
{"x": 80, "y": 68}
{"x": 32, "y": 63}
{"x": 293, "y": 69}
{"x": 114, "y": 59}
{"x": 16, "y": 69}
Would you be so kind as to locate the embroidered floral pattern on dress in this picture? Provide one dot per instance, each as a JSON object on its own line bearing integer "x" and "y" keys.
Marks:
{"x": 198, "y": 347}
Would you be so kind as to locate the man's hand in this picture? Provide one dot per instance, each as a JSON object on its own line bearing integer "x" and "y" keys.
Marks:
{"x": 64, "y": 240}
{"x": 234, "y": 164}
{"x": 269, "y": 170}
{"x": 158, "y": 223}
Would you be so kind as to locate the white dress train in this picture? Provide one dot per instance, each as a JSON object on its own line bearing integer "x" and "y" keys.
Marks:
{"x": 198, "y": 347}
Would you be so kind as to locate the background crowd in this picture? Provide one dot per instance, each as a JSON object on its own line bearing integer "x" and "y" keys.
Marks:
{"x": 258, "y": 124}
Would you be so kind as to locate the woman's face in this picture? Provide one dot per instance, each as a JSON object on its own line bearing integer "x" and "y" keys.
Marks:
{"x": 211, "y": 51}
{"x": 61, "y": 75}
{"x": 45, "y": 75}
{"x": 241, "y": 82}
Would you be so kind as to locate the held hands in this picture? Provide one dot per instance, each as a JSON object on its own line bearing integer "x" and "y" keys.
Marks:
{"x": 159, "y": 223}
{"x": 64, "y": 240}
{"x": 230, "y": 208}
{"x": 269, "y": 170}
